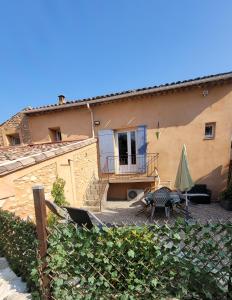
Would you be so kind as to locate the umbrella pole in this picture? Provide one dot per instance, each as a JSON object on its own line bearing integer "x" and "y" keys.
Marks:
{"x": 186, "y": 205}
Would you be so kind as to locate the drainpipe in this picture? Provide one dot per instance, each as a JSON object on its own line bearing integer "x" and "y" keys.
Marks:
{"x": 92, "y": 124}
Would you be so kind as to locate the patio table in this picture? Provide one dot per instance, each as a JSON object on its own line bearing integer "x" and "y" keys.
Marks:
{"x": 175, "y": 198}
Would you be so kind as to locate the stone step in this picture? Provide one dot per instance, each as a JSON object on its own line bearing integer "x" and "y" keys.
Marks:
{"x": 7, "y": 274}
{"x": 92, "y": 208}
{"x": 18, "y": 296}
{"x": 92, "y": 198}
{"x": 94, "y": 190}
{"x": 92, "y": 194}
{"x": 92, "y": 202}
{"x": 11, "y": 286}
{"x": 3, "y": 263}
{"x": 7, "y": 288}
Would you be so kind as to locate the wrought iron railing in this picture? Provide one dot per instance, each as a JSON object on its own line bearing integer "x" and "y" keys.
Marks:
{"x": 140, "y": 165}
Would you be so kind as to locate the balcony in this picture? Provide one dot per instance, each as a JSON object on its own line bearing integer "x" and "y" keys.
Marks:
{"x": 131, "y": 168}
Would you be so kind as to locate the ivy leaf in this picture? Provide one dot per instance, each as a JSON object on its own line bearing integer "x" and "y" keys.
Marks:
{"x": 131, "y": 253}
{"x": 91, "y": 280}
{"x": 109, "y": 244}
{"x": 154, "y": 282}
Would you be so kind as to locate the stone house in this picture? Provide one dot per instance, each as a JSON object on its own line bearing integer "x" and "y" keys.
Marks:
{"x": 15, "y": 131}
{"x": 140, "y": 133}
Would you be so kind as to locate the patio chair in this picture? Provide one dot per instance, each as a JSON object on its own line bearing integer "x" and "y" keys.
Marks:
{"x": 74, "y": 215}
{"x": 162, "y": 199}
{"x": 146, "y": 200}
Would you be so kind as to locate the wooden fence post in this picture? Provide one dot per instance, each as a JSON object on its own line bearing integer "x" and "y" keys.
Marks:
{"x": 41, "y": 224}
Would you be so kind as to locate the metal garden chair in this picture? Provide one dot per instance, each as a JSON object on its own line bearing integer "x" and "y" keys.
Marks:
{"x": 161, "y": 198}
{"x": 81, "y": 217}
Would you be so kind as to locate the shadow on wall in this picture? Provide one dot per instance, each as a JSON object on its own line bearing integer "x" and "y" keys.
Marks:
{"x": 215, "y": 180}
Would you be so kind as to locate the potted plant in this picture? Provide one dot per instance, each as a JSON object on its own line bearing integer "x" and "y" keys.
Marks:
{"x": 226, "y": 197}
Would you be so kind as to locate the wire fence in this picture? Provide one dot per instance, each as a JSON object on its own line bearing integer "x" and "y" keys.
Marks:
{"x": 141, "y": 262}
{"x": 129, "y": 261}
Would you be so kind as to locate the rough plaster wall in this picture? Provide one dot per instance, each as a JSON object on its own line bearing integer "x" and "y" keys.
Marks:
{"x": 85, "y": 171}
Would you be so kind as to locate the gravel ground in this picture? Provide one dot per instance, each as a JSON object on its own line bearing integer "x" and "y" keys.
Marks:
{"x": 125, "y": 212}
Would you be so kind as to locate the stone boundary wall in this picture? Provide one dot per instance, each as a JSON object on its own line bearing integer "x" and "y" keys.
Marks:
{"x": 76, "y": 167}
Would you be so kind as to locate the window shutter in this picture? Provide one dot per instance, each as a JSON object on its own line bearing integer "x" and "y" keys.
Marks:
{"x": 142, "y": 148}
{"x": 106, "y": 149}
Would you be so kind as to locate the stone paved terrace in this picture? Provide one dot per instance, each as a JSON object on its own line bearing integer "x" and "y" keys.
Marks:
{"x": 125, "y": 211}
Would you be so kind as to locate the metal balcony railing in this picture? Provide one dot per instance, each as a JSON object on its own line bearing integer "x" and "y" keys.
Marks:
{"x": 132, "y": 165}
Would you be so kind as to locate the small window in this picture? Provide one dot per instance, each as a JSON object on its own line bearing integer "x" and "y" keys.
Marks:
{"x": 210, "y": 130}
{"x": 13, "y": 139}
{"x": 55, "y": 134}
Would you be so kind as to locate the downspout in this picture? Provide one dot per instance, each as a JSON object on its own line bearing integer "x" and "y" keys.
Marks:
{"x": 92, "y": 124}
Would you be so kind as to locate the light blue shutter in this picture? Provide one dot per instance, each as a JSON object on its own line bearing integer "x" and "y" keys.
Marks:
{"x": 141, "y": 148}
{"x": 106, "y": 150}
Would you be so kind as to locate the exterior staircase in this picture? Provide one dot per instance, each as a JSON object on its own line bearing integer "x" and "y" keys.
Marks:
{"x": 11, "y": 286}
{"x": 95, "y": 194}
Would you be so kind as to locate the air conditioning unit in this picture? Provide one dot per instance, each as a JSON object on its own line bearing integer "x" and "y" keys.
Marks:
{"x": 134, "y": 194}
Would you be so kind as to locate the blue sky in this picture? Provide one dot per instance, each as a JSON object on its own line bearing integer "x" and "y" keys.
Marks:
{"x": 84, "y": 48}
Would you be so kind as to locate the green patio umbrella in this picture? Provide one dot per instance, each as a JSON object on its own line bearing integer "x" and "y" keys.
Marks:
{"x": 184, "y": 181}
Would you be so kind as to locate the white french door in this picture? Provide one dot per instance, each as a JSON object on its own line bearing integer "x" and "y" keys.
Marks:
{"x": 126, "y": 161}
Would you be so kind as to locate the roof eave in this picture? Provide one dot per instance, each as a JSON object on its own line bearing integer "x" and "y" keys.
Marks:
{"x": 133, "y": 94}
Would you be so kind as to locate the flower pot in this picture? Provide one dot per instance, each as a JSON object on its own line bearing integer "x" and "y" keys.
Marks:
{"x": 227, "y": 204}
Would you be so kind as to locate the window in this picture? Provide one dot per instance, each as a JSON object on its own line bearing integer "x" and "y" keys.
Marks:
{"x": 55, "y": 134}
{"x": 13, "y": 139}
{"x": 210, "y": 130}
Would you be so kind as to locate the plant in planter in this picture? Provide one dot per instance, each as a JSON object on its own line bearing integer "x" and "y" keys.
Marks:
{"x": 226, "y": 197}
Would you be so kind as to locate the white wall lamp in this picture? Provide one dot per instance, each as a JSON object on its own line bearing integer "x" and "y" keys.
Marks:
{"x": 96, "y": 123}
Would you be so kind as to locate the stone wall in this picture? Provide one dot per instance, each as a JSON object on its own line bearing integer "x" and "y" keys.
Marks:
{"x": 1, "y": 137}
{"x": 24, "y": 199}
{"x": 16, "y": 124}
{"x": 85, "y": 171}
{"x": 25, "y": 131}
{"x": 78, "y": 168}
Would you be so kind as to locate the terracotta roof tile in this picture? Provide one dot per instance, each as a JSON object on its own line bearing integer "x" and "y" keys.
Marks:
{"x": 17, "y": 157}
{"x": 39, "y": 157}
{"x": 14, "y": 165}
{"x": 172, "y": 85}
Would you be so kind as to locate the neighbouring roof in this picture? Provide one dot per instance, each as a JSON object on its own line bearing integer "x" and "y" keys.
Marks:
{"x": 14, "y": 158}
{"x": 131, "y": 93}
{"x": 18, "y": 116}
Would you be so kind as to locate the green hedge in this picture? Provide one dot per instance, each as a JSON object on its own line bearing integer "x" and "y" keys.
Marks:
{"x": 18, "y": 245}
{"x": 141, "y": 262}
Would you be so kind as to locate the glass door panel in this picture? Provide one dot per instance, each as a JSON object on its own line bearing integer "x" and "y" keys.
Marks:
{"x": 123, "y": 148}
{"x": 133, "y": 147}
{"x": 127, "y": 152}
